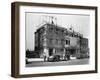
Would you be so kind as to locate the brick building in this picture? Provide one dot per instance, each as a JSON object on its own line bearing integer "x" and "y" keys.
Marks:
{"x": 55, "y": 40}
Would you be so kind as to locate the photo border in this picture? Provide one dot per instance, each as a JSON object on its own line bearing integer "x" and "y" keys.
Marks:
{"x": 15, "y": 32}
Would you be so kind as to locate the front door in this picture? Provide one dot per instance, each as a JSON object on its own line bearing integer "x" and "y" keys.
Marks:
{"x": 50, "y": 52}
{"x": 73, "y": 52}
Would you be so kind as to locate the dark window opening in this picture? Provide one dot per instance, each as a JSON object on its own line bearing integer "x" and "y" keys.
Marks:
{"x": 67, "y": 42}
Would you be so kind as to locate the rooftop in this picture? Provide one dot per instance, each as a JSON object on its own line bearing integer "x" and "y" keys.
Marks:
{"x": 70, "y": 31}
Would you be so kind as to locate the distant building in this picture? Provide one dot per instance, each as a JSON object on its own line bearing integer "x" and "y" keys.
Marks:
{"x": 84, "y": 50}
{"x": 55, "y": 40}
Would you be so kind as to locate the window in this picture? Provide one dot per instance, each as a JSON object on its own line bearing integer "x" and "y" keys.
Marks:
{"x": 56, "y": 41}
{"x": 62, "y": 41}
{"x": 51, "y": 41}
{"x": 59, "y": 41}
{"x": 67, "y": 42}
{"x": 56, "y": 31}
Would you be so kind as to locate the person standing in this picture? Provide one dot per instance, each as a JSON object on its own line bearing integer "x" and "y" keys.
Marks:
{"x": 44, "y": 55}
{"x": 68, "y": 55}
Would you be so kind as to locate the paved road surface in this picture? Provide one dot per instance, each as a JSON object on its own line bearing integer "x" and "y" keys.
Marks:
{"x": 60, "y": 63}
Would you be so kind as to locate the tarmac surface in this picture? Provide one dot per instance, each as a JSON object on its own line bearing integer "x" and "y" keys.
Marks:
{"x": 59, "y": 63}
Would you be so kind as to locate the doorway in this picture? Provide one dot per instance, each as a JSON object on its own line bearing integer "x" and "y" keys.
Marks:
{"x": 50, "y": 51}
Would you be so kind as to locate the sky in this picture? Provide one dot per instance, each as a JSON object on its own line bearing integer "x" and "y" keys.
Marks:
{"x": 80, "y": 23}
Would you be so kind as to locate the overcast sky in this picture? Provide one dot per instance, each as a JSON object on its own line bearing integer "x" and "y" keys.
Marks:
{"x": 80, "y": 23}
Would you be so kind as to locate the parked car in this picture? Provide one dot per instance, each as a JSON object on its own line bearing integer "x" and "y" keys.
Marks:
{"x": 54, "y": 58}
{"x": 82, "y": 56}
{"x": 32, "y": 54}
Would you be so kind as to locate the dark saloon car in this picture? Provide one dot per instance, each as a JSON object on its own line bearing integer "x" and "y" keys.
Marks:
{"x": 54, "y": 58}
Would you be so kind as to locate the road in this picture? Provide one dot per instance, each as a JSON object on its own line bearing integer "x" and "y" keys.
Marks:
{"x": 60, "y": 63}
